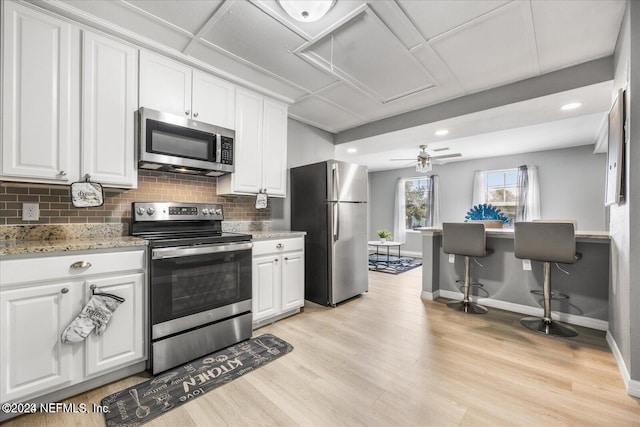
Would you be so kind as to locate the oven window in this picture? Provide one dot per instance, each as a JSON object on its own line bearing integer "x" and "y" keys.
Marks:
{"x": 193, "y": 284}
{"x": 200, "y": 288}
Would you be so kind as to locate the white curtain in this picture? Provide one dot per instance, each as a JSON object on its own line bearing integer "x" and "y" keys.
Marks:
{"x": 479, "y": 192}
{"x": 434, "y": 202}
{"x": 528, "y": 194}
{"x": 399, "y": 213}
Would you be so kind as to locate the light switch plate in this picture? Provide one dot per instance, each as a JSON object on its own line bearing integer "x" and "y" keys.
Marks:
{"x": 452, "y": 258}
{"x": 30, "y": 211}
{"x": 526, "y": 264}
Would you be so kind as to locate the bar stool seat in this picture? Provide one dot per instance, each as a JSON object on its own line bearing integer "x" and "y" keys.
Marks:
{"x": 547, "y": 242}
{"x": 467, "y": 239}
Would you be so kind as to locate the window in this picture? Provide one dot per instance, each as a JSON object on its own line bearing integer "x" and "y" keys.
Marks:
{"x": 500, "y": 189}
{"x": 416, "y": 196}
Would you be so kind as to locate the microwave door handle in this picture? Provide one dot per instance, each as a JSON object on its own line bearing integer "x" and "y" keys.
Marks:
{"x": 183, "y": 251}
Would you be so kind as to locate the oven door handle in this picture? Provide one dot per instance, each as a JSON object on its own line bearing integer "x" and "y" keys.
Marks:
{"x": 182, "y": 251}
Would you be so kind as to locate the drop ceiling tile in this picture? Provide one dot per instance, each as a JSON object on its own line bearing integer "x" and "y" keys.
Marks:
{"x": 351, "y": 99}
{"x": 189, "y": 15}
{"x": 237, "y": 71}
{"x": 249, "y": 33}
{"x": 130, "y": 19}
{"x": 492, "y": 51}
{"x": 398, "y": 22}
{"x": 322, "y": 114}
{"x": 435, "y": 17}
{"x": 365, "y": 52}
{"x": 568, "y": 33}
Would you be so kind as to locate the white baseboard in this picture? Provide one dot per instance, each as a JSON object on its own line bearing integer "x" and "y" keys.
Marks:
{"x": 411, "y": 253}
{"x": 632, "y": 386}
{"x": 430, "y": 295}
{"x": 601, "y": 325}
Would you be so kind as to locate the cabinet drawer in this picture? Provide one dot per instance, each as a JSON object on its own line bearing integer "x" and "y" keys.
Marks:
{"x": 69, "y": 266}
{"x": 278, "y": 245}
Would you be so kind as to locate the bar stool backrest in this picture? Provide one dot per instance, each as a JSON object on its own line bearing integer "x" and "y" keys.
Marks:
{"x": 546, "y": 241}
{"x": 464, "y": 238}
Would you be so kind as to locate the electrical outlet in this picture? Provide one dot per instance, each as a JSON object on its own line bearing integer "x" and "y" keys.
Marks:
{"x": 452, "y": 258}
{"x": 526, "y": 264}
{"x": 30, "y": 211}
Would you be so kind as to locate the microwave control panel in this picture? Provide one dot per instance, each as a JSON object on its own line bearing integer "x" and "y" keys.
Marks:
{"x": 226, "y": 152}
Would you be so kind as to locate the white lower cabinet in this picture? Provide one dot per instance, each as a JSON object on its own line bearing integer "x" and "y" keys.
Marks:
{"x": 33, "y": 358}
{"x": 278, "y": 279}
{"x": 35, "y": 311}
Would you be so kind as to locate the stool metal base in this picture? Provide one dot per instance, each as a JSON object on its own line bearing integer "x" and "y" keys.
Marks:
{"x": 467, "y": 307}
{"x": 548, "y": 327}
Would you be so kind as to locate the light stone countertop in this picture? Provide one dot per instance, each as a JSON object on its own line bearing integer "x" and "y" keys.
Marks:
{"x": 275, "y": 234}
{"x": 508, "y": 233}
{"x": 28, "y": 247}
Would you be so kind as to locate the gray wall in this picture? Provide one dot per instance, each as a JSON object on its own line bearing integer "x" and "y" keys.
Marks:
{"x": 624, "y": 299}
{"x": 571, "y": 187}
{"x": 305, "y": 145}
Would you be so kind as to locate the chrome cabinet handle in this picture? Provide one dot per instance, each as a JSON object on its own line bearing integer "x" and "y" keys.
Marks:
{"x": 276, "y": 260}
{"x": 195, "y": 114}
{"x": 286, "y": 258}
{"x": 80, "y": 264}
{"x": 187, "y": 112}
{"x": 64, "y": 290}
{"x": 279, "y": 246}
{"x": 93, "y": 287}
{"x": 63, "y": 173}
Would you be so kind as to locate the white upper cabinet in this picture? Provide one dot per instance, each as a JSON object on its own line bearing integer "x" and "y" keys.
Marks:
{"x": 165, "y": 85}
{"x": 260, "y": 147}
{"x": 46, "y": 136}
{"x": 109, "y": 104}
{"x": 172, "y": 87}
{"x": 213, "y": 100}
{"x": 40, "y": 100}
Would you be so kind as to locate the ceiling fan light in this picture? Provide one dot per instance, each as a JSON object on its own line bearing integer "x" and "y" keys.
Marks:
{"x": 306, "y": 10}
{"x": 424, "y": 165}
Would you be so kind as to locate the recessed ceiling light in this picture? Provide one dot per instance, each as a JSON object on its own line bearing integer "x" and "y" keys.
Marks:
{"x": 442, "y": 132}
{"x": 571, "y": 106}
{"x": 352, "y": 150}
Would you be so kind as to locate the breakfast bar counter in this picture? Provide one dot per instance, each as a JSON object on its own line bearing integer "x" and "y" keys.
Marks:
{"x": 506, "y": 285}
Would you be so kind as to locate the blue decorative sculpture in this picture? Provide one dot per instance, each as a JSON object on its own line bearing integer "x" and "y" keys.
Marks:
{"x": 485, "y": 212}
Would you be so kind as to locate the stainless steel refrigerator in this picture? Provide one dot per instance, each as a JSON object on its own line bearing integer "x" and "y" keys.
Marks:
{"x": 329, "y": 202}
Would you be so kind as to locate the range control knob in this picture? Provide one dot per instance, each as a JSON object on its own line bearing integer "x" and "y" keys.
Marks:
{"x": 218, "y": 211}
{"x": 140, "y": 210}
{"x": 205, "y": 211}
{"x": 151, "y": 211}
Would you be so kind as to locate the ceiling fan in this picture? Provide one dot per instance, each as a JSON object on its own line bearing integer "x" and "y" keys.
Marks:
{"x": 424, "y": 159}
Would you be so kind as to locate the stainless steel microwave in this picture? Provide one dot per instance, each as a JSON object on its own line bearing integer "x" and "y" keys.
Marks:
{"x": 172, "y": 143}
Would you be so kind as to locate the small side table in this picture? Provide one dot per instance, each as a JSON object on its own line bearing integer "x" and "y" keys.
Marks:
{"x": 387, "y": 244}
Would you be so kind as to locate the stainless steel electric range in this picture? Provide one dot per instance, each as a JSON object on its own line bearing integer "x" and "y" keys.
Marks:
{"x": 199, "y": 281}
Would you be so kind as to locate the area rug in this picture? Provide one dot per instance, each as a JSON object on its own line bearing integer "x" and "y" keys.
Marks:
{"x": 395, "y": 265}
{"x": 148, "y": 400}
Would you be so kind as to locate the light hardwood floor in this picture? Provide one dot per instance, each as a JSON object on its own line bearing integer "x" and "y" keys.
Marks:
{"x": 389, "y": 358}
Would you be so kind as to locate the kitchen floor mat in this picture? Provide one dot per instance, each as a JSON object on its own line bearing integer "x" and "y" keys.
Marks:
{"x": 148, "y": 400}
{"x": 392, "y": 264}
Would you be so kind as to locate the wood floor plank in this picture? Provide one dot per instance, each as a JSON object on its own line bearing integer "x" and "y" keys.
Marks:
{"x": 389, "y": 358}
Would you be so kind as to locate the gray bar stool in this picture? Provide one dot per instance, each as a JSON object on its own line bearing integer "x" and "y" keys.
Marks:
{"x": 467, "y": 239}
{"x": 548, "y": 242}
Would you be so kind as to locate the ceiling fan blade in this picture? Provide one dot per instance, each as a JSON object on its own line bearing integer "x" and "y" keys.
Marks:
{"x": 406, "y": 160}
{"x": 446, "y": 156}
{"x": 440, "y": 149}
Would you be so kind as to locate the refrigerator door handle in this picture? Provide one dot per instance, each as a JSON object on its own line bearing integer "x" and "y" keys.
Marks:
{"x": 336, "y": 221}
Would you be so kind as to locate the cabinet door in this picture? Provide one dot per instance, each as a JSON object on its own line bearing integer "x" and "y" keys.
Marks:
{"x": 292, "y": 280}
{"x": 40, "y": 100}
{"x": 214, "y": 100}
{"x": 247, "y": 176}
{"x": 109, "y": 104}
{"x": 165, "y": 85}
{"x": 123, "y": 341}
{"x": 274, "y": 148}
{"x": 266, "y": 284}
{"x": 33, "y": 359}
